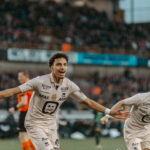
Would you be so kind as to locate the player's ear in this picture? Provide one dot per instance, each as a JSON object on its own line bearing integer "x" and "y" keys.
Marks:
{"x": 51, "y": 67}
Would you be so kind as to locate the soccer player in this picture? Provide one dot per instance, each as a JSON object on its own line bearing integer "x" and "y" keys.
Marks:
{"x": 97, "y": 124}
{"x": 50, "y": 91}
{"x": 137, "y": 127}
{"x": 22, "y": 106}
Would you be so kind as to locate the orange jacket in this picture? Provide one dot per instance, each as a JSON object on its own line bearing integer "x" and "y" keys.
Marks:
{"x": 29, "y": 94}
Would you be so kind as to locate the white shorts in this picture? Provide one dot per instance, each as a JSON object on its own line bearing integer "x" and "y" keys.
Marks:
{"x": 43, "y": 138}
{"x": 137, "y": 140}
{"x": 137, "y": 144}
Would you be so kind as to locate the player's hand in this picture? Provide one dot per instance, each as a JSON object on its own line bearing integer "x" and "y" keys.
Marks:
{"x": 120, "y": 114}
{"x": 104, "y": 120}
{"x": 12, "y": 110}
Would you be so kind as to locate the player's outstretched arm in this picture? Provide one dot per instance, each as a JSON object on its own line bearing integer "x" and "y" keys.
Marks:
{"x": 118, "y": 106}
{"x": 115, "y": 113}
{"x": 93, "y": 105}
{"x": 9, "y": 92}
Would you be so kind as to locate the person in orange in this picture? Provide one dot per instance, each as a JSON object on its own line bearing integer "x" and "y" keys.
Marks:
{"x": 22, "y": 106}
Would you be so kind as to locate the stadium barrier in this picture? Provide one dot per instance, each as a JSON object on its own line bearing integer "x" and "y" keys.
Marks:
{"x": 42, "y": 56}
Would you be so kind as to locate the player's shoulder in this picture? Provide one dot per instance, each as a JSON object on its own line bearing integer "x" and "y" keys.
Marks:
{"x": 68, "y": 81}
{"x": 144, "y": 94}
{"x": 43, "y": 77}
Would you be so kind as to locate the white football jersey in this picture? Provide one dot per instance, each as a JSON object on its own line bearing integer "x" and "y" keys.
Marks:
{"x": 47, "y": 98}
{"x": 140, "y": 114}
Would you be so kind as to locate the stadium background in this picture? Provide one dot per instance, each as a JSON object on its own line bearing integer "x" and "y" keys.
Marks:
{"x": 108, "y": 45}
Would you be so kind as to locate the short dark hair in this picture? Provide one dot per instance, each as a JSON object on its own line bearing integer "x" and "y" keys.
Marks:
{"x": 55, "y": 56}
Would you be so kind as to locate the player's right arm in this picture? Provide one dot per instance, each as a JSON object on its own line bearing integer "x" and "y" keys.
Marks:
{"x": 28, "y": 86}
{"x": 118, "y": 106}
{"x": 133, "y": 100}
{"x": 9, "y": 92}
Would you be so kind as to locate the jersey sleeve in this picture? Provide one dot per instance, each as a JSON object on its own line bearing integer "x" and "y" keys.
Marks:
{"x": 76, "y": 93}
{"x": 31, "y": 85}
{"x": 134, "y": 100}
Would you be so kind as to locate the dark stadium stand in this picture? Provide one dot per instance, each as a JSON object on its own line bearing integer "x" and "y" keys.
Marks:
{"x": 24, "y": 26}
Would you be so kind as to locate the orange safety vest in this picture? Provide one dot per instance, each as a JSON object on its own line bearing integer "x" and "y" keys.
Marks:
{"x": 66, "y": 47}
{"x": 29, "y": 94}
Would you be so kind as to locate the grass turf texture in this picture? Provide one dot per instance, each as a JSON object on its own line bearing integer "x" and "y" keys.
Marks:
{"x": 69, "y": 144}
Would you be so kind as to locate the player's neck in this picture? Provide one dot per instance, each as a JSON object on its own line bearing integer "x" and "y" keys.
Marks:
{"x": 57, "y": 80}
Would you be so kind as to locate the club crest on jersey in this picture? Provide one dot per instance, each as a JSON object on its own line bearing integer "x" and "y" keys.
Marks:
{"x": 45, "y": 87}
{"x": 54, "y": 97}
{"x": 64, "y": 89}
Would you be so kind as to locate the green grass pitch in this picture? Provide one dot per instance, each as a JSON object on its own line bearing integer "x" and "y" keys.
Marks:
{"x": 69, "y": 144}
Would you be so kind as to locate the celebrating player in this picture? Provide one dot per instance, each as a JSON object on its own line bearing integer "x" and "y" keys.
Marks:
{"x": 137, "y": 127}
{"x": 22, "y": 106}
{"x": 50, "y": 91}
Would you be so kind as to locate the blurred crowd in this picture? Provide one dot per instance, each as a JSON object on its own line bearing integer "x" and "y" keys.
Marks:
{"x": 110, "y": 88}
{"x": 47, "y": 25}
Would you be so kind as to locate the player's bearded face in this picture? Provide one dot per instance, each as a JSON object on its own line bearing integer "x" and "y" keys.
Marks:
{"x": 59, "y": 68}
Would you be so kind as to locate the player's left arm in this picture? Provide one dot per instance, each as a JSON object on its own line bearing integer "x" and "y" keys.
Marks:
{"x": 95, "y": 106}
{"x": 115, "y": 113}
{"x": 119, "y": 106}
{"x": 81, "y": 97}
{"x": 133, "y": 100}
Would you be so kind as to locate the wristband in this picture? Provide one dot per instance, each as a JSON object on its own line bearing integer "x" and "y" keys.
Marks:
{"x": 107, "y": 111}
{"x": 110, "y": 117}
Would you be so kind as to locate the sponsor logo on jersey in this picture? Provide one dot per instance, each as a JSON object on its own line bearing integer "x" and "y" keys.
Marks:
{"x": 64, "y": 89}
{"x": 43, "y": 96}
{"x": 135, "y": 144}
{"x": 45, "y": 87}
{"x": 46, "y": 144}
{"x": 54, "y": 97}
{"x": 62, "y": 99}
{"x": 43, "y": 139}
{"x": 63, "y": 95}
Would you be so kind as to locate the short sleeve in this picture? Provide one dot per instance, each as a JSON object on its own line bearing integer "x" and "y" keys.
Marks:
{"x": 134, "y": 100}
{"x": 76, "y": 93}
{"x": 29, "y": 86}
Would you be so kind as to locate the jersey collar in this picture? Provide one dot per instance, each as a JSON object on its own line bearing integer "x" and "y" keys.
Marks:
{"x": 52, "y": 80}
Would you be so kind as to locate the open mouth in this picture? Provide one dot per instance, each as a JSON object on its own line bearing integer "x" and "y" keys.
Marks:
{"x": 62, "y": 72}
